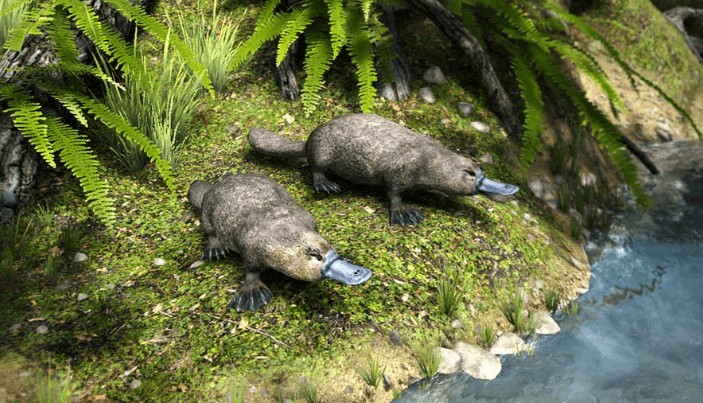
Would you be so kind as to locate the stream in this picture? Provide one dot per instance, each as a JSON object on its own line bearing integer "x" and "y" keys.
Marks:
{"x": 638, "y": 335}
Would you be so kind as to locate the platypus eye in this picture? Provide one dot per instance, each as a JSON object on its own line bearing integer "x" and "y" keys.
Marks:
{"x": 470, "y": 172}
{"x": 316, "y": 255}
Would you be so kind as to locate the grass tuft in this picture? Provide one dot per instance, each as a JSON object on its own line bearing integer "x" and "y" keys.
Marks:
{"x": 552, "y": 299}
{"x": 572, "y": 309}
{"x": 426, "y": 355}
{"x": 371, "y": 372}
{"x": 70, "y": 241}
{"x": 309, "y": 393}
{"x": 513, "y": 308}
{"x": 55, "y": 389}
{"x": 449, "y": 292}
{"x": 488, "y": 335}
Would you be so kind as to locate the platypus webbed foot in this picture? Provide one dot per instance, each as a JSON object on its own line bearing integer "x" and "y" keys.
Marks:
{"x": 321, "y": 184}
{"x": 252, "y": 295}
{"x": 406, "y": 216}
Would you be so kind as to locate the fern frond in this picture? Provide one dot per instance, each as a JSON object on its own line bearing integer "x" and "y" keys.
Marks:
{"x": 299, "y": 20}
{"x": 156, "y": 28}
{"x": 515, "y": 23}
{"x": 534, "y": 107}
{"x": 80, "y": 160}
{"x": 122, "y": 127}
{"x": 265, "y": 31}
{"x": 366, "y": 8}
{"x": 63, "y": 37}
{"x": 267, "y": 10}
{"x": 337, "y": 21}
{"x": 28, "y": 118}
{"x": 318, "y": 59}
{"x": 33, "y": 18}
{"x": 359, "y": 46}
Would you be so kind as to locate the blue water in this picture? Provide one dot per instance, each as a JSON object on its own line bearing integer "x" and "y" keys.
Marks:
{"x": 638, "y": 336}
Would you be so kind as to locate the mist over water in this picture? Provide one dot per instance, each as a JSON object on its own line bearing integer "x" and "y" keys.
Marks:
{"x": 638, "y": 336}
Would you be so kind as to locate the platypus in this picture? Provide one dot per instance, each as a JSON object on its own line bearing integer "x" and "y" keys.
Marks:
{"x": 255, "y": 217}
{"x": 371, "y": 150}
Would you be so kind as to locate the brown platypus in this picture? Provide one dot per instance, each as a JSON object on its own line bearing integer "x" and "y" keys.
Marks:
{"x": 371, "y": 150}
{"x": 255, "y": 217}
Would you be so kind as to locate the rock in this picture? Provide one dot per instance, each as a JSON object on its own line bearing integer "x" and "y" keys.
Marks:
{"x": 577, "y": 263}
{"x": 465, "y": 109}
{"x": 110, "y": 286}
{"x": 524, "y": 297}
{"x": 434, "y": 75}
{"x": 63, "y": 286}
{"x": 536, "y": 187}
{"x": 575, "y": 215}
{"x": 135, "y": 384}
{"x": 478, "y": 362}
{"x": 481, "y": 127}
{"x": 456, "y": 324}
{"x": 348, "y": 390}
{"x": 539, "y": 284}
{"x": 82, "y": 297}
{"x": 550, "y": 197}
{"x": 159, "y": 262}
{"x": 386, "y": 382}
{"x": 486, "y": 158}
{"x": 663, "y": 130}
{"x": 412, "y": 380}
{"x": 449, "y": 361}
{"x": 587, "y": 179}
{"x": 388, "y": 92}
{"x": 507, "y": 343}
{"x": 288, "y": 118}
{"x": 79, "y": 257}
{"x": 395, "y": 338}
{"x": 544, "y": 324}
{"x": 41, "y": 329}
{"x": 15, "y": 328}
{"x": 426, "y": 95}
{"x": 196, "y": 264}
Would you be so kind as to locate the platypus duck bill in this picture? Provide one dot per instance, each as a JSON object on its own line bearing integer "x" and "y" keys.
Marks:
{"x": 489, "y": 186}
{"x": 338, "y": 269}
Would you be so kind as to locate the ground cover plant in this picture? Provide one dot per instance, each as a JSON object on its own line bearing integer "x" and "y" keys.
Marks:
{"x": 133, "y": 328}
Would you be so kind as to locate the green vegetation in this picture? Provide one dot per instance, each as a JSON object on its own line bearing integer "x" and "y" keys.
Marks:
{"x": 426, "y": 354}
{"x": 488, "y": 335}
{"x": 514, "y": 310}
{"x": 572, "y": 309}
{"x": 55, "y": 389}
{"x": 309, "y": 393}
{"x": 450, "y": 292}
{"x": 11, "y": 12}
{"x": 371, "y": 371}
{"x": 552, "y": 299}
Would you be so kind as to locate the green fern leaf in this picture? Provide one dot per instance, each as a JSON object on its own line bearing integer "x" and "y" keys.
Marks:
{"x": 299, "y": 20}
{"x": 63, "y": 37}
{"x": 359, "y": 45}
{"x": 32, "y": 20}
{"x": 366, "y": 8}
{"x": 266, "y": 31}
{"x": 318, "y": 59}
{"x": 29, "y": 119}
{"x": 80, "y": 160}
{"x": 267, "y": 10}
{"x": 534, "y": 107}
{"x": 337, "y": 21}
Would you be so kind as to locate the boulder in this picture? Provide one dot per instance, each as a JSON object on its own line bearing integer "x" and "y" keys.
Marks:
{"x": 478, "y": 362}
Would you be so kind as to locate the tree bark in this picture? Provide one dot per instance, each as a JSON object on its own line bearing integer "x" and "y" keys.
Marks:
{"x": 455, "y": 30}
{"x": 399, "y": 89}
{"x": 285, "y": 74}
{"x": 18, "y": 161}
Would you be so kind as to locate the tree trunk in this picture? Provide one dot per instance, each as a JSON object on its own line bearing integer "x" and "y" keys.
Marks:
{"x": 285, "y": 74}
{"x": 677, "y": 16}
{"x": 455, "y": 30}
{"x": 18, "y": 161}
{"x": 399, "y": 89}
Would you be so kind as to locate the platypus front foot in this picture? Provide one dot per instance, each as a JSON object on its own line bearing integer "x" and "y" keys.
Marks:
{"x": 321, "y": 184}
{"x": 252, "y": 295}
{"x": 406, "y": 216}
{"x": 214, "y": 253}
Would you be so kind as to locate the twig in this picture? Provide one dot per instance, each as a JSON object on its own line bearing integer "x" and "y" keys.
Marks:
{"x": 261, "y": 332}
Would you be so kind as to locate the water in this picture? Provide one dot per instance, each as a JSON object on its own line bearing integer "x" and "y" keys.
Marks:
{"x": 639, "y": 334}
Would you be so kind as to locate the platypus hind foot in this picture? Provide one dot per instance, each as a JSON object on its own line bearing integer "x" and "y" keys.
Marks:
{"x": 214, "y": 253}
{"x": 406, "y": 216}
{"x": 322, "y": 184}
{"x": 252, "y": 295}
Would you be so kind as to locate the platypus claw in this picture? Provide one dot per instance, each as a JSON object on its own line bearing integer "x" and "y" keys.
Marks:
{"x": 327, "y": 187}
{"x": 214, "y": 254}
{"x": 250, "y": 297}
{"x": 407, "y": 216}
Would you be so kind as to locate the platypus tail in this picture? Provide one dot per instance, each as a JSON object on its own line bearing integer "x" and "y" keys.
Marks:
{"x": 269, "y": 143}
{"x": 196, "y": 191}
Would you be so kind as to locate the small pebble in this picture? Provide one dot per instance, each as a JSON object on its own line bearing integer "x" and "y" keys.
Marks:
{"x": 395, "y": 338}
{"x": 456, "y": 324}
{"x": 82, "y": 297}
{"x": 79, "y": 257}
{"x": 481, "y": 127}
{"x": 135, "y": 384}
{"x": 434, "y": 75}
{"x": 15, "y": 328}
{"x": 41, "y": 329}
{"x": 386, "y": 382}
{"x": 465, "y": 109}
{"x": 159, "y": 262}
{"x": 110, "y": 286}
{"x": 486, "y": 158}
{"x": 348, "y": 390}
{"x": 426, "y": 95}
{"x": 197, "y": 264}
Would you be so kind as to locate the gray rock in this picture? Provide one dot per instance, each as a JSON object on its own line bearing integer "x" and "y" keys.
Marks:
{"x": 536, "y": 187}
{"x": 15, "y": 328}
{"x": 544, "y": 324}
{"x": 196, "y": 264}
{"x": 478, "y": 362}
{"x": 507, "y": 343}
{"x": 63, "y": 286}
{"x": 426, "y": 95}
{"x": 465, "y": 109}
{"x": 348, "y": 390}
{"x": 434, "y": 75}
{"x": 41, "y": 329}
{"x": 82, "y": 297}
{"x": 449, "y": 361}
{"x": 388, "y": 92}
{"x": 663, "y": 130}
{"x": 386, "y": 382}
{"x": 456, "y": 324}
{"x": 395, "y": 338}
{"x": 79, "y": 257}
{"x": 539, "y": 284}
{"x": 486, "y": 158}
{"x": 135, "y": 384}
{"x": 159, "y": 262}
{"x": 575, "y": 215}
{"x": 481, "y": 127}
{"x": 587, "y": 179}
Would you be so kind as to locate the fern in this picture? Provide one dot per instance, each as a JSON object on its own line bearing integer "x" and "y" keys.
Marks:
{"x": 318, "y": 59}
{"x": 534, "y": 107}
{"x": 299, "y": 19}
{"x": 360, "y": 50}
{"x": 265, "y": 32}
{"x": 32, "y": 20}
{"x": 337, "y": 20}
